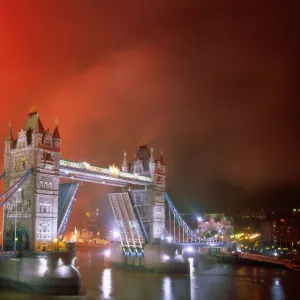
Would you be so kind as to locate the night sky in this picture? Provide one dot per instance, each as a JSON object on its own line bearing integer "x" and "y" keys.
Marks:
{"x": 212, "y": 84}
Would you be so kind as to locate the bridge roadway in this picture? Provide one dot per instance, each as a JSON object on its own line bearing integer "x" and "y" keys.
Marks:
{"x": 112, "y": 176}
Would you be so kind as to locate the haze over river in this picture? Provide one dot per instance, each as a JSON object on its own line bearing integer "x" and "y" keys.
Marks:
{"x": 209, "y": 280}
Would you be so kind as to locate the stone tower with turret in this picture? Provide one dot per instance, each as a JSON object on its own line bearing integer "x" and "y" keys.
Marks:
{"x": 150, "y": 201}
{"x": 30, "y": 215}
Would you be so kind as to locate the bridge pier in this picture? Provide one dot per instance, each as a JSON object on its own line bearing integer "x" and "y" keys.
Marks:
{"x": 155, "y": 258}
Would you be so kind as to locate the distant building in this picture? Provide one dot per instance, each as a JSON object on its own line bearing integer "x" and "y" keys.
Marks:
{"x": 218, "y": 217}
{"x": 266, "y": 232}
{"x": 296, "y": 212}
{"x": 253, "y": 214}
{"x": 230, "y": 218}
{"x": 93, "y": 221}
{"x": 285, "y": 232}
{"x": 249, "y": 220}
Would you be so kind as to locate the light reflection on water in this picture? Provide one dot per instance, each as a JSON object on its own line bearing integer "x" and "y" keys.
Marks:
{"x": 277, "y": 290}
{"x": 167, "y": 288}
{"x": 106, "y": 283}
{"x": 193, "y": 286}
{"x": 207, "y": 280}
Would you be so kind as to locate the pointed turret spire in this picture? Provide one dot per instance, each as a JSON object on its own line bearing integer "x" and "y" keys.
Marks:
{"x": 151, "y": 162}
{"x": 9, "y": 136}
{"x": 33, "y": 109}
{"x": 56, "y": 134}
{"x": 162, "y": 161}
{"x": 125, "y": 163}
{"x": 39, "y": 128}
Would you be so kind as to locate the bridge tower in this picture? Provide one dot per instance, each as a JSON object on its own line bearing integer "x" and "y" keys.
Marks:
{"x": 150, "y": 201}
{"x": 30, "y": 216}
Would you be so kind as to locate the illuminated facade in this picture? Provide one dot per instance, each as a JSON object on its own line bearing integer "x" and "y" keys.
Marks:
{"x": 37, "y": 206}
{"x": 213, "y": 225}
{"x": 92, "y": 221}
{"x": 32, "y": 211}
{"x": 150, "y": 201}
{"x": 285, "y": 233}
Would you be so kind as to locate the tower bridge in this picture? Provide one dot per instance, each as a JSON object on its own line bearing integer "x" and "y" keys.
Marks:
{"x": 37, "y": 205}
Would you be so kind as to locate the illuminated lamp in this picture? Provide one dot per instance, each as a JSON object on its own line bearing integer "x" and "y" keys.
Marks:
{"x": 190, "y": 249}
{"x": 86, "y": 165}
{"x": 116, "y": 234}
{"x": 165, "y": 257}
{"x": 114, "y": 170}
{"x": 169, "y": 239}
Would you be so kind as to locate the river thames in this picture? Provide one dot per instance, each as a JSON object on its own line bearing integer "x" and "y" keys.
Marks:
{"x": 209, "y": 280}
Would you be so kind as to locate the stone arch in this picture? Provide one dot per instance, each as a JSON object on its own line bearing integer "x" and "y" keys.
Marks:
{"x": 21, "y": 236}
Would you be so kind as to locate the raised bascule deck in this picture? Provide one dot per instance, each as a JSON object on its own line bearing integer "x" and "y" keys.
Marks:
{"x": 37, "y": 205}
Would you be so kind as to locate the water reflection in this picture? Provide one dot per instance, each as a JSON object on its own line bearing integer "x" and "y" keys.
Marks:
{"x": 167, "y": 289}
{"x": 89, "y": 259}
{"x": 207, "y": 280}
{"x": 277, "y": 290}
{"x": 106, "y": 283}
{"x": 192, "y": 279}
{"x": 42, "y": 266}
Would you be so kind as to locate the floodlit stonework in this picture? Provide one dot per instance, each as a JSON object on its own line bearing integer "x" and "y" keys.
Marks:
{"x": 151, "y": 200}
{"x": 34, "y": 206}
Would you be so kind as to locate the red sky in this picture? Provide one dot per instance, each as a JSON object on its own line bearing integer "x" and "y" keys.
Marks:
{"x": 213, "y": 85}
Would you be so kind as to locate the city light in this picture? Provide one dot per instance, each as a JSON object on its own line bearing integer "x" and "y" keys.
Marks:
{"x": 107, "y": 253}
{"x": 165, "y": 257}
{"x": 190, "y": 249}
{"x": 116, "y": 234}
{"x": 199, "y": 219}
{"x": 114, "y": 170}
{"x": 169, "y": 239}
{"x": 86, "y": 165}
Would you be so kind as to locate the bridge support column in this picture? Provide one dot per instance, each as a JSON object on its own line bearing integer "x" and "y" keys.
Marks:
{"x": 157, "y": 258}
{"x": 151, "y": 207}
